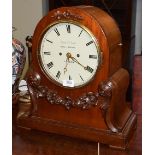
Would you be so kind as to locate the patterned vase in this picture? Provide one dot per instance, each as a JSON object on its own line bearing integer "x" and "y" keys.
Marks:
{"x": 18, "y": 63}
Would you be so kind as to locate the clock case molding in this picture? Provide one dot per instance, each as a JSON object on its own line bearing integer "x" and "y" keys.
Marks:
{"x": 98, "y": 111}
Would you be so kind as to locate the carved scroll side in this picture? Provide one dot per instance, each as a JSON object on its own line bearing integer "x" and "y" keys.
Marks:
{"x": 66, "y": 15}
{"x": 33, "y": 81}
{"x": 105, "y": 91}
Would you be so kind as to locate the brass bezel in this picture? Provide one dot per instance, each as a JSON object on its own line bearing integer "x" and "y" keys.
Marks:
{"x": 41, "y": 64}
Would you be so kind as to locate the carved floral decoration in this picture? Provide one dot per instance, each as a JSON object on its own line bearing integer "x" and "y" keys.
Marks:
{"x": 85, "y": 101}
{"x": 66, "y": 14}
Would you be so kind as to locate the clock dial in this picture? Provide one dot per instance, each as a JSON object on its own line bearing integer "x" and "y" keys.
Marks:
{"x": 69, "y": 52}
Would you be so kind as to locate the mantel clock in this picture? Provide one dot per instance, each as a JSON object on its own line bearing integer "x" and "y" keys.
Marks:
{"x": 76, "y": 82}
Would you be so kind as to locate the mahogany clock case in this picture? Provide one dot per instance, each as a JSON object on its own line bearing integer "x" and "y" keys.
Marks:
{"x": 97, "y": 111}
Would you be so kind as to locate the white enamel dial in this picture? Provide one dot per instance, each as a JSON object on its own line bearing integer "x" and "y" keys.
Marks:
{"x": 69, "y": 54}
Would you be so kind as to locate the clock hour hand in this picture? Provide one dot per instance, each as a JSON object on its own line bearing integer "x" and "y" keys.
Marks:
{"x": 75, "y": 60}
{"x": 65, "y": 68}
{"x": 68, "y": 55}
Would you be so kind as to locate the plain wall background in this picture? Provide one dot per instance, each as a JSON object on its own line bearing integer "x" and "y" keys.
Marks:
{"x": 25, "y": 16}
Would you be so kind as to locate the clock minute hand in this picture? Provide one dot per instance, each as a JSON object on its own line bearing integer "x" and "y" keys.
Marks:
{"x": 65, "y": 68}
{"x": 75, "y": 60}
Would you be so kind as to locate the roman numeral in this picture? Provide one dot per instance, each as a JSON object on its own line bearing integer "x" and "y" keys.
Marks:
{"x": 57, "y": 32}
{"x": 80, "y": 33}
{"x": 47, "y": 53}
{"x": 93, "y": 56}
{"x": 50, "y": 65}
{"x": 89, "y": 43}
{"x": 49, "y": 41}
{"x": 58, "y": 74}
{"x": 70, "y": 78}
{"x": 68, "y": 28}
{"x": 81, "y": 78}
{"x": 89, "y": 69}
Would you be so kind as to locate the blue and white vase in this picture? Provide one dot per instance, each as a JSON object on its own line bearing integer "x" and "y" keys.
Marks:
{"x": 18, "y": 62}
